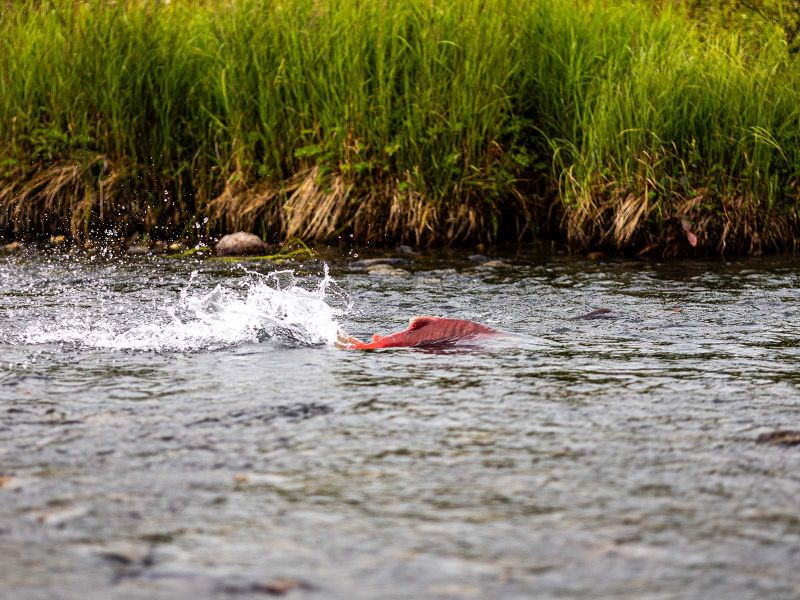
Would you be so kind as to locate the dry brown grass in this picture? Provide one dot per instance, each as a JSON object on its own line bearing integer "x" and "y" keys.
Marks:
{"x": 321, "y": 207}
{"x": 59, "y": 197}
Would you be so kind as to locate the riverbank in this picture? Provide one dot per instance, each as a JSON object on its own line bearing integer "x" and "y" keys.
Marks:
{"x": 608, "y": 127}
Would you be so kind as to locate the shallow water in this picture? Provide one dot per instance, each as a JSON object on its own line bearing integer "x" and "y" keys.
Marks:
{"x": 185, "y": 429}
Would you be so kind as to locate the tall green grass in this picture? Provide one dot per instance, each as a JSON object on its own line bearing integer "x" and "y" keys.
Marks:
{"x": 611, "y": 124}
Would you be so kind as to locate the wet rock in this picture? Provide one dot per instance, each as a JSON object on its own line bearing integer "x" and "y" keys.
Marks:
{"x": 404, "y": 249}
{"x": 57, "y": 240}
{"x": 596, "y": 256}
{"x": 11, "y": 248}
{"x": 7, "y": 482}
{"x": 385, "y": 270}
{"x": 600, "y": 313}
{"x": 495, "y": 264}
{"x": 125, "y": 553}
{"x": 60, "y": 516}
{"x": 781, "y": 437}
{"x": 176, "y": 247}
{"x": 138, "y": 249}
{"x": 374, "y": 262}
{"x": 240, "y": 243}
{"x": 478, "y": 258}
{"x": 279, "y": 586}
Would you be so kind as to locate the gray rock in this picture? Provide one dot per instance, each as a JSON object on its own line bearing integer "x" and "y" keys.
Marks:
{"x": 495, "y": 264}
{"x": 478, "y": 258}
{"x": 371, "y": 262}
{"x": 11, "y": 248}
{"x": 240, "y": 243}
{"x": 138, "y": 249}
{"x": 383, "y": 269}
{"x": 780, "y": 437}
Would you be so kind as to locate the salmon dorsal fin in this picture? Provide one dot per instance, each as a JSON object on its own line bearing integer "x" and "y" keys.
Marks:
{"x": 377, "y": 338}
{"x": 421, "y": 321}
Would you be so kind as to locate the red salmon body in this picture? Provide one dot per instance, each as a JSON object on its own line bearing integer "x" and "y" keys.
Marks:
{"x": 424, "y": 332}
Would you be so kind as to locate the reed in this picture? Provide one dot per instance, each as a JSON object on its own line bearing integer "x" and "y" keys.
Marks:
{"x": 610, "y": 124}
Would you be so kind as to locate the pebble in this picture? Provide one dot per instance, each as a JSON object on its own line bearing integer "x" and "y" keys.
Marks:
{"x": 125, "y": 553}
{"x": 8, "y": 482}
{"x": 781, "y": 437}
{"x": 58, "y": 517}
{"x": 366, "y": 263}
{"x": 600, "y": 313}
{"x": 495, "y": 264}
{"x": 138, "y": 249}
{"x": 404, "y": 249}
{"x": 383, "y": 269}
{"x": 11, "y": 248}
{"x": 57, "y": 240}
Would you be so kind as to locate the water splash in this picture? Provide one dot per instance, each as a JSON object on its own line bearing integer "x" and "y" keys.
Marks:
{"x": 260, "y": 307}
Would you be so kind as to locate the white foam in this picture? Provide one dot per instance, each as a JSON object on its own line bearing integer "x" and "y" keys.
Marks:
{"x": 258, "y": 308}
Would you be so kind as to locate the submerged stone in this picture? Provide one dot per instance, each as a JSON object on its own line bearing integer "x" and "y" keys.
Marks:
{"x": 383, "y": 269}
{"x": 600, "y": 313}
{"x": 11, "y": 248}
{"x": 138, "y": 249}
{"x": 368, "y": 263}
{"x": 495, "y": 264}
{"x": 240, "y": 243}
{"x": 781, "y": 437}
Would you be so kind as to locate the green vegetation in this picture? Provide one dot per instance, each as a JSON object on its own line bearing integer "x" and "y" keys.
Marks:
{"x": 616, "y": 125}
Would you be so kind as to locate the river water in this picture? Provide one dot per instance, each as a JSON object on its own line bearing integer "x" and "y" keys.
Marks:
{"x": 186, "y": 429}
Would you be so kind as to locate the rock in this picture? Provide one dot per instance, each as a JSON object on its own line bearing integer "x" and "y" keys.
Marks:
{"x": 596, "y": 256}
{"x": 138, "y": 249}
{"x": 125, "y": 553}
{"x": 404, "y": 249}
{"x": 11, "y": 248}
{"x": 373, "y": 262}
{"x": 781, "y": 437}
{"x": 600, "y": 313}
{"x": 176, "y": 247}
{"x": 7, "y": 482}
{"x": 57, "y": 240}
{"x": 276, "y": 587}
{"x": 60, "y": 516}
{"x": 382, "y": 269}
{"x": 478, "y": 258}
{"x": 495, "y": 264}
{"x": 240, "y": 243}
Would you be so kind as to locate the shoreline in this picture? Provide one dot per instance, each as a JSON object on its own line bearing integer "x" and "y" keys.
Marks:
{"x": 620, "y": 127}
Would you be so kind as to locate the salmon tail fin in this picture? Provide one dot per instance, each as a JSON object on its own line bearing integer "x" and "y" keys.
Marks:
{"x": 344, "y": 340}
